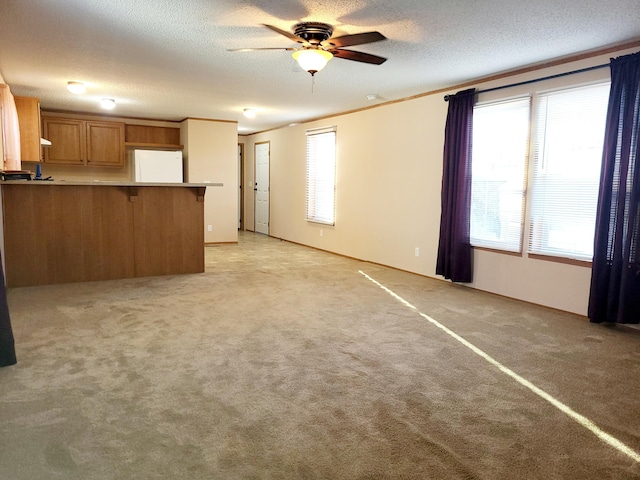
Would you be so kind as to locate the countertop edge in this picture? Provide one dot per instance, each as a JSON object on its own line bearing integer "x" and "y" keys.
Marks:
{"x": 107, "y": 183}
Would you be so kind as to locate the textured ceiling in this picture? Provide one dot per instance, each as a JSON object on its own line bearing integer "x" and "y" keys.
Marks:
{"x": 169, "y": 60}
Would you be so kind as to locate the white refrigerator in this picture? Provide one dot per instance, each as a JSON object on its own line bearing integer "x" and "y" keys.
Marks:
{"x": 157, "y": 166}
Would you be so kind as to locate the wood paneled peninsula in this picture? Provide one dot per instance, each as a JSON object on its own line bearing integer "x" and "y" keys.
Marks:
{"x": 64, "y": 232}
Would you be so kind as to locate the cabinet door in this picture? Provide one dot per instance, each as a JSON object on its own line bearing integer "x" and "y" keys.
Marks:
{"x": 67, "y": 137}
{"x": 29, "y": 120}
{"x": 105, "y": 144}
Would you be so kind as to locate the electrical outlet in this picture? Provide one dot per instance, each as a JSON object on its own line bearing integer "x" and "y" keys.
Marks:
{"x": 417, "y": 252}
{"x": 321, "y": 232}
{"x": 209, "y": 228}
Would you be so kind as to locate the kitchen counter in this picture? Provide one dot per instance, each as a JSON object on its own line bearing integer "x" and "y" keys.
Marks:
{"x": 103, "y": 183}
{"x": 63, "y": 232}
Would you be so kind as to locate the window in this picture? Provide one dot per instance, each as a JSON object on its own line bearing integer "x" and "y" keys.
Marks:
{"x": 499, "y": 164}
{"x": 321, "y": 175}
{"x": 567, "y": 156}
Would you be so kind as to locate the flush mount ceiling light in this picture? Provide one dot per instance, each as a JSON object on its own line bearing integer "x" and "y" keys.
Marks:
{"x": 108, "y": 103}
{"x": 249, "y": 113}
{"x": 76, "y": 88}
{"x": 312, "y": 60}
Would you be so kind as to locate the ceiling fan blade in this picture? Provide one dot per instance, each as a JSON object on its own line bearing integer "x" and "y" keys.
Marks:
{"x": 358, "y": 56}
{"x": 289, "y": 35}
{"x": 355, "y": 39}
{"x": 291, "y": 49}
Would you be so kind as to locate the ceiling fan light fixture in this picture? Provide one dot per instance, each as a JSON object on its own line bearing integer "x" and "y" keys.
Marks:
{"x": 76, "y": 88}
{"x": 312, "y": 60}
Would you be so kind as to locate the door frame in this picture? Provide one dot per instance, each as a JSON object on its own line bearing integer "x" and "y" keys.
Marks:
{"x": 241, "y": 186}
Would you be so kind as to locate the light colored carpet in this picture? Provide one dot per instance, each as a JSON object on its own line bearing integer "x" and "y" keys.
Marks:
{"x": 283, "y": 362}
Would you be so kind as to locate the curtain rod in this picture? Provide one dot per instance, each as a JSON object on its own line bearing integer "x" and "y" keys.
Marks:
{"x": 573, "y": 72}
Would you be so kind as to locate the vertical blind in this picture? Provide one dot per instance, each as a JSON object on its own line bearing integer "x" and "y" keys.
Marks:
{"x": 499, "y": 164}
{"x": 321, "y": 175}
{"x": 567, "y": 156}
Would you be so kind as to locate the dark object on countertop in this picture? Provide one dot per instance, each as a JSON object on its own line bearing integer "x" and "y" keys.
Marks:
{"x": 39, "y": 174}
{"x": 7, "y": 344}
{"x": 15, "y": 175}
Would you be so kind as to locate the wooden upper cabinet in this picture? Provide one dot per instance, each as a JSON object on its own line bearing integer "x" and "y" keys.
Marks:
{"x": 68, "y": 141}
{"x": 105, "y": 144}
{"x": 146, "y": 136}
{"x": 84, "y": 142}
{"x": 29, "y": 119}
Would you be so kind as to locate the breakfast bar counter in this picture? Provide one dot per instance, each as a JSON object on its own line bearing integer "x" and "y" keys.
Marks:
{"x": 62, "y": 232}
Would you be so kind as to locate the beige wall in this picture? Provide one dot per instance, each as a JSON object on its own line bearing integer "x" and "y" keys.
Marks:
{"x": 388, "y": 181}
{"x": 211, "y": 157}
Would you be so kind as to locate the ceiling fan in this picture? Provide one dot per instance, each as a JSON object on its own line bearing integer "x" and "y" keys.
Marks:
{"x": 318, "y": 46}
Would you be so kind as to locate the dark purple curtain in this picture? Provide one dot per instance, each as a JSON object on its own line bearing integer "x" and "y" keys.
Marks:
{"x": 7, "y": 348}
{"x": 454, "y": 248}
{"x": 615, "y": 274}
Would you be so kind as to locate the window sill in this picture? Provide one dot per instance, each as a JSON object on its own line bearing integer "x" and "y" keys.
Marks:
{"x": 537, "y": 256}
{"x": 320, "y": 222}
{"x": 567, "y": 261}
{"x": 495, "y": 250}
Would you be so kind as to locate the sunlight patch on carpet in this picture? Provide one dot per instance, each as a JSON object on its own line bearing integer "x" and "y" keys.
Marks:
{"x": 582, "y": 420}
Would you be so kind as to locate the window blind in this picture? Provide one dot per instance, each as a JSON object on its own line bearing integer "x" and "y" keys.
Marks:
{"x": 567, "y": 156}
{"x": 499, "y": 164}
{"x": 321, "y": 171}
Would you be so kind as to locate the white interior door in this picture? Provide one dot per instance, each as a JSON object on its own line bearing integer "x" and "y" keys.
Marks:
{"x": 261, "y": 188}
